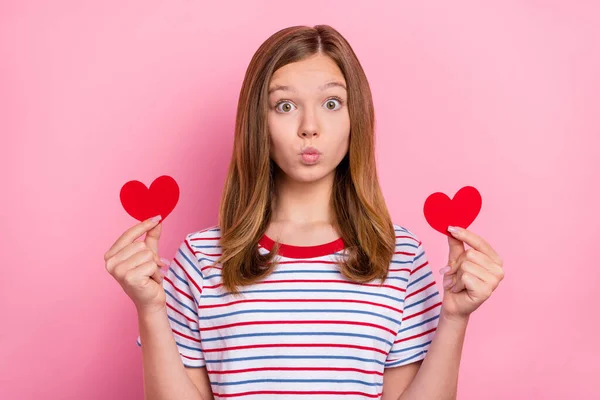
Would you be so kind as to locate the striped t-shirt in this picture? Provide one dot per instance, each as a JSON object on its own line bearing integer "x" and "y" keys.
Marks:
{"x": 305, "y": 331}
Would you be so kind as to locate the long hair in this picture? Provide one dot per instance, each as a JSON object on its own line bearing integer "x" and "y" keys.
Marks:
{"x": 360, "y": 215}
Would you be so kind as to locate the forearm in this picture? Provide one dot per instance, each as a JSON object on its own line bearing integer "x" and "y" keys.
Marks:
{"x": 164, "y": 374}
{"x": 437, "y": 378}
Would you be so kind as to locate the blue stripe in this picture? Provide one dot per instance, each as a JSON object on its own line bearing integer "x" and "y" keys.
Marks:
{"x": 194, "y": 366}
{"x": 299, "y": 311}
{"x": 405, "y": 359}
{"x": 411, "y": 348}
{"x": 419, "y": 256}
{"x": 421, "y": 301}
{"x": 419, "y": 324}
{"x": 192, "y": 264}
{"x": 204, "y": 247}
{"x": 407, "y": 244}
{"x": 308, "y": 271}
{"x": 188, "y": 347}
{"x": 296, "y": 381}
{"x": 401, "y": 262}
{"x": 180, "y": 303}
{"x": 188, "y": 291}
{"x": 178, "y": 277}
{"x": 399, "y": 278}
{"x": 184, "y": 325}
{"x": 317, "y": 357}
{"x": 418, "y": 280}
{"x": 214, "y": 296}
{"x": 219, "y": 338}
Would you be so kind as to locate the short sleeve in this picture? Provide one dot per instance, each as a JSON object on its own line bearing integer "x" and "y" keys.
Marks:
{"x": 422, "y": 305}
{"x": 183, "y": 287}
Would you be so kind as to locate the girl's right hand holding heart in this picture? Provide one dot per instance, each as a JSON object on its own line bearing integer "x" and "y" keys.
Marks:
{"x": 135, "y": 265}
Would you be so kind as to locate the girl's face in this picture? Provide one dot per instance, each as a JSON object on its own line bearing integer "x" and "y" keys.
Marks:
{"x": 308, "y": 107}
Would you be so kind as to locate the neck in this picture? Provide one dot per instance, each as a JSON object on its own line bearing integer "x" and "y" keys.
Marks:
{"x": 302, "y": 203}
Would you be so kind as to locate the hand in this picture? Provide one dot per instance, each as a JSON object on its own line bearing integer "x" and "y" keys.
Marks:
{"x": 135, "y": 265}
{"x": 471, "y": 275}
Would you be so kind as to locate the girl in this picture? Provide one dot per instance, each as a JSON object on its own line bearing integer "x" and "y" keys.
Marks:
{"x": 305, "y": 288}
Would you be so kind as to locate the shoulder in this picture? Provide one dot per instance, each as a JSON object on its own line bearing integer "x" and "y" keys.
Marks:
{"x": 405, "y": 237}
{"x": 207, "y": 237}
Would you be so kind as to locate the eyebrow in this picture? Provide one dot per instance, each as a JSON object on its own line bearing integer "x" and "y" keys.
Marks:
{"x": 321, "y": 88}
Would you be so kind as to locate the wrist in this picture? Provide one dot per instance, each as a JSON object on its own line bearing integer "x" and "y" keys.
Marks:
{"x": 149, "y": 313}
{"x": 456, "y": 320}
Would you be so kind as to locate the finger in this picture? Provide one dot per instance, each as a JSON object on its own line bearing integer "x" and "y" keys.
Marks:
{"x": 152, "y": 237}
{"x": 476, "y": 242}
{"x": 139, "y": 258}
{"x": 460, "y": 276}
{"x": 478, "y": 271}
{"x": 124, "y": 254}
{"x": 455, "y": 249}
{"x": 131, "y": 234}
{"x": 483, "y": 260}
{"x": 157, "y": 274}
{"x": 128, "y": 252}
{"x": 478, "y": 289}
{"x": 142, "y": 272}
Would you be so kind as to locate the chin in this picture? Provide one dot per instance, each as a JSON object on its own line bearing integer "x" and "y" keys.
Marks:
{"x": 313, "y": 174}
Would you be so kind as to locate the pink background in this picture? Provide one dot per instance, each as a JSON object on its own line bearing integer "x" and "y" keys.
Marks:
{"x": 501, "y": 95}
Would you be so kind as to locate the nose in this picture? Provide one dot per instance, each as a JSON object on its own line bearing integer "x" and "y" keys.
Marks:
{"x": 309, "y": 134}
{"x": 309, "y": 126}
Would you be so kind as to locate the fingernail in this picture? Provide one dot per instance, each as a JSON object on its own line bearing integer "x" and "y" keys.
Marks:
{"x": 447, "y": 282}
{"x": 445, "y": 269}
{"x": 452, "y": 229}
{"x": 156, "y": 218}
{"x": 166, "y": 262}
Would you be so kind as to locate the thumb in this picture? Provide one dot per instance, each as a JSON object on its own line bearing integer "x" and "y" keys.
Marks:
{"x": 152, "y": 237}
{"x": 455, "y": 249}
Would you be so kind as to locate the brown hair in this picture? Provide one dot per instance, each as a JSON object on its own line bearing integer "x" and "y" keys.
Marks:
{"x": 360, "y": 215}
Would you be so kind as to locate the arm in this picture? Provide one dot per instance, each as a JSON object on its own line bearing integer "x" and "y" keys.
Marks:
{"x": 436, "y": 376}
{"x": 165, "y": 376}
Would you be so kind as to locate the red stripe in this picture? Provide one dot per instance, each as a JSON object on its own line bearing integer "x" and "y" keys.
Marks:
{"x": 264, "y": 392}
{"x": 186, "y": 336}
{"x": 297, "y": 322}
{"x": 308, "y": 262}
{"x": 399, "y": 270}
{"x": 415, "y": 336}
{"x": 301, "y": 301}
{"x": 280, "y": 263}
{"x": 286, "y": 345}
{"x": 422, "y": 312}
{"x": 407, "y": 237}
{"x": 180, "y": 313}
{"x": 317, "y": 281}
{"x": 240, "y": 371}
{"x": 208, "y": 238}
{"x": 179, "y": 290}
{"x": 192, "y": 358}
{"x": 189, "y": 278}
{"x": 419, "y": 267}
{"x": 405, "y": 253}
{"x": 207, "y": 254}
{"x": 420, "y": 290}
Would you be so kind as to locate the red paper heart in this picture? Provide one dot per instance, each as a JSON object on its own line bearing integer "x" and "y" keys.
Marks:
{"x": 143, "y": 203}
{"x": 441, "y": 212}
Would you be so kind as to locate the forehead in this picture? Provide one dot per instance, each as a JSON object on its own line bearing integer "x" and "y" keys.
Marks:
{"x": 310, "y": 73}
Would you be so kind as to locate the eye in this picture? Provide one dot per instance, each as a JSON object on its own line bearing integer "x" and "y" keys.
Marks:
{"x": 330, "y": 104}
{"x": 331, "y": 101}
{"x": 287, "y": 106}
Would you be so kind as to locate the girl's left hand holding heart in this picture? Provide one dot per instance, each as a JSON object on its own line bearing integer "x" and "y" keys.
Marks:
{"x": 471, "y": 275}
